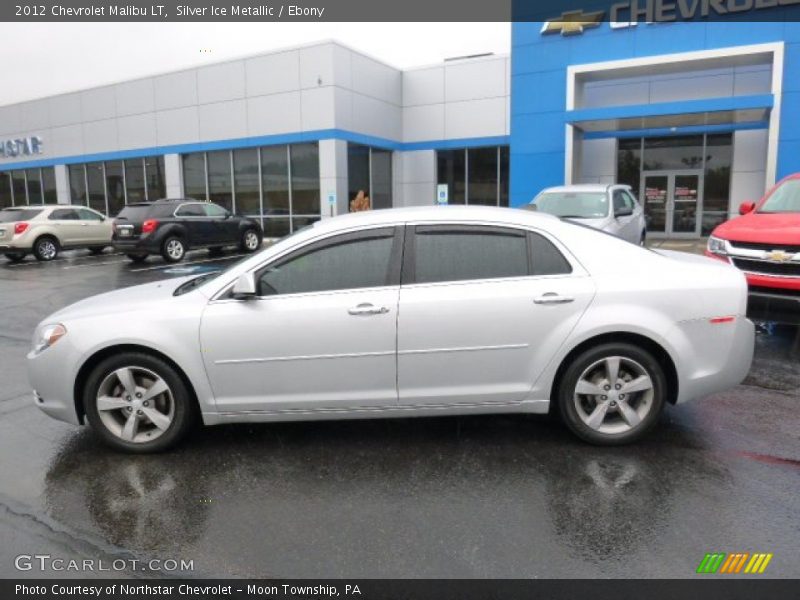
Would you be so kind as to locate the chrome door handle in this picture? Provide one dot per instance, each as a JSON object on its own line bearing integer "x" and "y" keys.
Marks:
{"x": 367, "y": 309}
{"x": 553, "y": 298}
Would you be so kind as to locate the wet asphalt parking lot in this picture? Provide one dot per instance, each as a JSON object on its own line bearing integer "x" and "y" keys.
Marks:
{"x": 504, "y": 496}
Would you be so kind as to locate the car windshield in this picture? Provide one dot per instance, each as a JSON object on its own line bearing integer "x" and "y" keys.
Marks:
{"x": 785, "y": 199}
{"x": 576, "y": 205}
{"x": 10, "y": 215}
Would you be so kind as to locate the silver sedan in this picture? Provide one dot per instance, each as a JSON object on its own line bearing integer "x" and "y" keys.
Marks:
{"x": 407, "y": 312}
{"x": 609, "y": 208}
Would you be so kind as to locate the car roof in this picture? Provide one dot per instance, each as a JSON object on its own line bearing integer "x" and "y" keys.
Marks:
{"x": 44, "y": 206}
{"x": 434, "y": 214}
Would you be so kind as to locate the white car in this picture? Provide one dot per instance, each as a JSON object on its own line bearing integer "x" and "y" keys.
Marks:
{"x": 398, "y": 313}
{"x": 610, "y": 208}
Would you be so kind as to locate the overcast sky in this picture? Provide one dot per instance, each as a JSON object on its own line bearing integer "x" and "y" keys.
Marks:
{"x": 50, "y": 58}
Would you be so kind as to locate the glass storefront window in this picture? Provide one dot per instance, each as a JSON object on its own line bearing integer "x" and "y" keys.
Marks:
{"x": 717, "y": 184}
{"x": 220, "y": 189}
{"x": 245, "y": 181}
{"x": 504, "y": 175}
{"x": 629, "y": 163}
{"x": 357, "y": 171}
{"x": 305, "y": 179}
{"x": 673, "y": 152}
{"x": 5, "y": 190}
{"x": 18, "y": 183}
{"x": 115, "y": 184}
{"x": 381, "y": 178}
{"x": 134, "y": 181}
{"x": 482, "y": 178}
{"x": 34, "y": 179}
{"x": 275, "y": 182}
{"x": 49, "y": 182}
{"x": 194, "y": 176}
{"x": 154, "y": 172}
{"x": 77, "y": 184}
{"x": 95, "y": 181}
{"x": 451, "y": 169}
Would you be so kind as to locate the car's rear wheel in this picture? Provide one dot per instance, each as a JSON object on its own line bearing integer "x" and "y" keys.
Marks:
{"x": 173, "y": 249}
{"x": 137, "y": 258}
{"x": 612, "y": 394}
{"x": 250, "y": 241}
{"x": 138, "y": 403}
{"x": 15, "y": 257}
{"x": 45, "y": 248}
{"x": 95, "y": 250}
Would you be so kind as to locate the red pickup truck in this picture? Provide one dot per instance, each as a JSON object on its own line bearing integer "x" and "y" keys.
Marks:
{"x": 765, "y": 242}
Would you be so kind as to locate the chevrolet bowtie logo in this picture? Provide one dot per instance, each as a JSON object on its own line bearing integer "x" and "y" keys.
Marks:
{"x": 779, "y": 256}
{"x": 572, "y": 22}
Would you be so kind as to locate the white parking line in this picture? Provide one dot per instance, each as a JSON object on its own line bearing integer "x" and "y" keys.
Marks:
{"x": 191, "y": 262}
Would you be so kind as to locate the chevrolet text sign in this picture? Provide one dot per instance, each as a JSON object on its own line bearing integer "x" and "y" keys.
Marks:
{"x": 21, "y": 147}
{"x": 631, "y": 12}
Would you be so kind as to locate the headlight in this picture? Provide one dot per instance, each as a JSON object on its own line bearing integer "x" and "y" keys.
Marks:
{"x": 47, "y": 336}
{"x": 716, "y": 246}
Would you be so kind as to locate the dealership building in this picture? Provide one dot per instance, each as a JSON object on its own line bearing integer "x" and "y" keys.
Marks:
{"x": 695, "y": 116}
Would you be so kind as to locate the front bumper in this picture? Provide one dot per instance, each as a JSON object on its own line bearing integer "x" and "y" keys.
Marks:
{"x": 51, "y": 374}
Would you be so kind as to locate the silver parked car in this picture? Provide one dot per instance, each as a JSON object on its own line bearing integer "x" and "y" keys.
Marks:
{"x": 610, "y": 208}
{"x": 405, "y": 312}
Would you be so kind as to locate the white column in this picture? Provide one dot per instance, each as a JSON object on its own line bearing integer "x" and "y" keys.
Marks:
{"x": 62, "y": 184}
{"x": 333, "y": 177}
{"x": 173, "y": 173}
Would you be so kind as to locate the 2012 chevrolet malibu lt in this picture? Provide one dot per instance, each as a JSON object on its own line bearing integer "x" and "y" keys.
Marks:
{"x": 398, "y": 313}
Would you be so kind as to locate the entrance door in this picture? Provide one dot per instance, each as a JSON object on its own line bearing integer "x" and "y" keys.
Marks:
{"x": 673, "y": 202}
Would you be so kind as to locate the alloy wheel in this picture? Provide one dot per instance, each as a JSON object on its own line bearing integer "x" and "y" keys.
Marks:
{"x": 175, "y": 249}
{"x": 135, "y": 404}
{"x": 614, "y": 395}
{"x": 250, "y": 240}
{"x": 47, "y": 249}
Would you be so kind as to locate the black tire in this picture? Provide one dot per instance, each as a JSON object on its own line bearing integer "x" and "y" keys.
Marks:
{"x": 95, "y": 250}
{"x": 647, "y": 404}
{"x": 216, "y": 250}
{"x": 184, "y": 412}
{"x": 250, "y": 241}
{"x": 46, "y": 248}
{"x": 137, "y": 258}
{"x": 173, "y": 249}
{"x": 15, "y": 257}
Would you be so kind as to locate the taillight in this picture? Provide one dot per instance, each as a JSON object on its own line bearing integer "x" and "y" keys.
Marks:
{"x": 149, "y": 226}
{"x": 720, "y": 320}
{"x": 20, "y": 228}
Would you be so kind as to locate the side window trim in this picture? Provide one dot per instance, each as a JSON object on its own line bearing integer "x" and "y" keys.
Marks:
{"x": 408, "y": 276}
{"x": 397, "y": 232}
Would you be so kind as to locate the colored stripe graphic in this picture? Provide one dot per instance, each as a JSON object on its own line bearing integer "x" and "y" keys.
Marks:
{"x": 758, "y": 564}
{"x": 711, "y": 562}
{"x": 733, "y": 563}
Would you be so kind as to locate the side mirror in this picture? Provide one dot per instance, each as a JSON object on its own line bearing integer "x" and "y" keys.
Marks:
{"x": 531, "y": 206}
{"x": 746, "y": 207}
{"x": 623, "y": 211}
{"x": 245, "y": 287}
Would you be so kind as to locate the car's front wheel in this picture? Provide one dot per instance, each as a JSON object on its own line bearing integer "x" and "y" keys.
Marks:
{"x": 45, "y": 248}
{"x": 138, "y": 403}
{"x": 612, "y": 394}
{"x": 250, "y": 241}
{"x": 173, "y": 249}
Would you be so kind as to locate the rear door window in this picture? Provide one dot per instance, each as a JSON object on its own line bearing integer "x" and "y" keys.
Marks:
{"x": 458, "y": 253}
{"x": 64, "y": 214}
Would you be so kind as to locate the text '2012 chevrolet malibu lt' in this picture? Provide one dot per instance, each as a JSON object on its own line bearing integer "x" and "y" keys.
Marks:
{"x": 399, "y": 313}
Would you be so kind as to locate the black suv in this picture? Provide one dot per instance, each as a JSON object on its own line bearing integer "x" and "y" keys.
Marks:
{"x": 171, "y": 227}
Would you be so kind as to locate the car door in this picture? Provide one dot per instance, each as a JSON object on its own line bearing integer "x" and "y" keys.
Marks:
{"x": 199, "y": 227}
{"x": 224, "y": 227}
{"x": 321, "y": 334}
{"x": 482, "y": 311}
{"x": 67, "y": 226}
{"x": 96, "y": 228}
{"x": 625, "y": 223}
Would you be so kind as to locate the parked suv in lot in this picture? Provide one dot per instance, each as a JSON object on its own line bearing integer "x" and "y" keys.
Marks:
{"x": 765, "y": 242}
{"x": 47, "y": 229}
{"x": 172, "y": 227}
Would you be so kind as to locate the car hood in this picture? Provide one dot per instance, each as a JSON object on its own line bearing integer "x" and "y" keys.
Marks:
{"x": 766, "y": 228}
{"x": 119, "y": 301}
